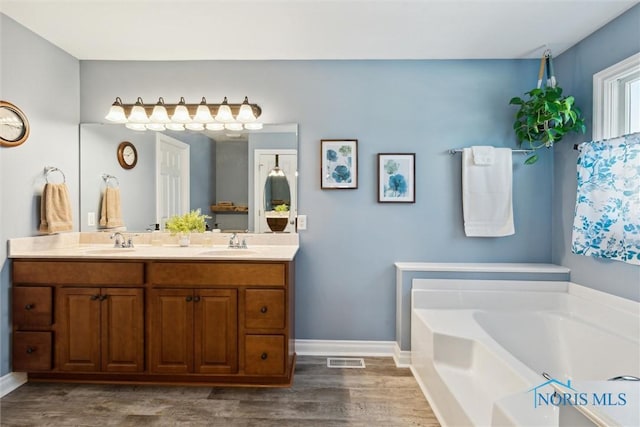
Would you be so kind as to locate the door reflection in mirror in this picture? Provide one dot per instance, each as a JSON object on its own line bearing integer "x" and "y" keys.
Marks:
{"x": 277, "y": 198}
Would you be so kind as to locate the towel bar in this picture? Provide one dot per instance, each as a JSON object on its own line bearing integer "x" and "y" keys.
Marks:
{"x": 106, "y": 177}
{"x": 459, "y": 150}
{"x": 50, "y": 169}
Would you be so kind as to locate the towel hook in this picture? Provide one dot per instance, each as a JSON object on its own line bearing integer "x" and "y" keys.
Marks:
{"x": 106, "y": 177}
{"x": 50, "y": 169}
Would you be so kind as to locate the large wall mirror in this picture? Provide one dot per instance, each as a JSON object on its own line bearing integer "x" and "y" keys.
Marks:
{"x": 216, "y": 172}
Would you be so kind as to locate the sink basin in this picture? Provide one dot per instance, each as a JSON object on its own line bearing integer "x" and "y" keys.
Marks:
{"x": 108, "y": 251}
{"x": 228, "y": 252}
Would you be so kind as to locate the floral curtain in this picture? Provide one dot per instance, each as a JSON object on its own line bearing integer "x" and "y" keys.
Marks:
{"x": 607, "y": 219}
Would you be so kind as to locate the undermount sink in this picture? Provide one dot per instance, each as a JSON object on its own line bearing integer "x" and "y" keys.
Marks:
{"x": 226, "y": 252}
{"x": 108, "y": 251}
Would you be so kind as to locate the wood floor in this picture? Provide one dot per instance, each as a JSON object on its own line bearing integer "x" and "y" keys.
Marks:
{"x": 379, "y": 395}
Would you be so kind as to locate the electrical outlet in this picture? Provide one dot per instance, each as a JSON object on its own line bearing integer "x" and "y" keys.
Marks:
{"x": 302, "y": 222}
{"x": 91, "y": 219}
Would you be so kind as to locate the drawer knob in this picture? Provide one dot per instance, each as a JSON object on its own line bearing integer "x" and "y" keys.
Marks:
{"x": 264, "y": 356}
{"x": 263, "y": 309}
{"x": 28, "y": 306}
{"x": 30, "y": 350}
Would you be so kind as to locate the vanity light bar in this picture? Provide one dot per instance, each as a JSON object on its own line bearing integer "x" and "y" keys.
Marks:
{"x": 181, "y": 116}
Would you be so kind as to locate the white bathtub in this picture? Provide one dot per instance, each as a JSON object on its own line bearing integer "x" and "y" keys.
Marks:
{"x": 479, "y": 349}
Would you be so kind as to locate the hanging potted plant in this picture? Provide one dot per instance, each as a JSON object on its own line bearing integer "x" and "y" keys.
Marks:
{"x": 546, "y": 116}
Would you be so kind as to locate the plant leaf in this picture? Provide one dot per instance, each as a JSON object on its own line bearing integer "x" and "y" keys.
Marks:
{"x": 531, "y": 160}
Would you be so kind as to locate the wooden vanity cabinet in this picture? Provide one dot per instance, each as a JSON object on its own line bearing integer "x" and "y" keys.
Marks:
{"x": 154, "y": 321}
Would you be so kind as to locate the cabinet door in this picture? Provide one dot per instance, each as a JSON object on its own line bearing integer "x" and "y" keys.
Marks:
{"x": 78, "y": 339}
{"x": 171, "y": 330}
{"x": 122, "y": 329}
{"x": 216, "y": 331}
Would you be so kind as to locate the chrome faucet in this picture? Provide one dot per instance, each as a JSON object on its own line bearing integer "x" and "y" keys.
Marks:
{"x": 120, "y": 241}
{"x": 234, "y": 242}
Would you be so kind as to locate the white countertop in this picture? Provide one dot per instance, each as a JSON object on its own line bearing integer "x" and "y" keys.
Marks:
{"x": 267, "y": 247}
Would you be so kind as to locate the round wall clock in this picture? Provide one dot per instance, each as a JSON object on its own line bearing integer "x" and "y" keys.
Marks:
{"x": 14, "y": 126}
{"x": 127, "y": 155}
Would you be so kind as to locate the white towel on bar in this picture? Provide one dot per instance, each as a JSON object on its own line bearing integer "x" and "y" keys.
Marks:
{"x": 483, "y": 154}
{"x": 486, "y": 195}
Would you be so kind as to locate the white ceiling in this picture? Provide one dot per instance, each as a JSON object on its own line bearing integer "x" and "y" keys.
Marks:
{"x": 312, "y": 29}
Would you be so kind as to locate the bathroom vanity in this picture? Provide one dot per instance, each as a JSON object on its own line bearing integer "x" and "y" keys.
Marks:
{"x": 157, "y": 315}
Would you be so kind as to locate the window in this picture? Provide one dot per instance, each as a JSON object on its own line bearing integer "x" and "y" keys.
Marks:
{"x": 616, "y": 99}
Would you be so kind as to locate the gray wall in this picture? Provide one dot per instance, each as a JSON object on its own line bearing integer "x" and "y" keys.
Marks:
{"x": 345, "y": 273}
{"x": 44, "y": 82}
{"x": 575, "y": 68}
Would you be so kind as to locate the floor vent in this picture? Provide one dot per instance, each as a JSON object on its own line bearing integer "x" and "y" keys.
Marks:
{"x": 345, "y": 362}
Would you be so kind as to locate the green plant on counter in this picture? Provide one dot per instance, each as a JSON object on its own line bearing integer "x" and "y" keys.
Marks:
{"x": 282, "y": 208}
{"x": 545, "y": 118}
{"x": 189, "y": 222}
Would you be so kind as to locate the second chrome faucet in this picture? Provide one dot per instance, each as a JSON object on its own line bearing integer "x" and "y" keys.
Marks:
{"x": 234, "y": 242}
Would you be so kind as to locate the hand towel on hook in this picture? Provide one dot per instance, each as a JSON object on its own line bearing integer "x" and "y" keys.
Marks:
{"x": 487, "y": 201}
{"x": 55, "y": 209}
{"x": 111, "y": 211}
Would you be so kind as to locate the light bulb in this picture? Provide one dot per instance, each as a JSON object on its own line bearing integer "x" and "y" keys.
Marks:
{"x": 224, "y": 112}
{"x": 159, "y": 113}
{"x": 138, "y": 114}
{"x": 203, "y": 114}
{"x": 136, "y": 126}
{"x": 194, "y": 126}
{"x": 253, "y": 126}
{"x": 116, "y": 112}
{"x": 175, "y": 126}
{"x": 181, "y": 114}
{"x": 215, "y": 126}
{"x": 245, "y": 115}
{"x": 155, "y": 126}
{"x": 233, "y": 126}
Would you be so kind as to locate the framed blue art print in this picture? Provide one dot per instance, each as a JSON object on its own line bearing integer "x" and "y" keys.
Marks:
{"x": 339, "y": 164}
{"x": 396, "y": 178}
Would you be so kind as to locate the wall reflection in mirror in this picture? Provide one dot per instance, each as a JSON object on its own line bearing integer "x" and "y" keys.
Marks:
{"x": 222, "y": 174}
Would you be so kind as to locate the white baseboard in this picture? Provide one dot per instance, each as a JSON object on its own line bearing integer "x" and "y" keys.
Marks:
{"x": 402, "y": 358}
{"x": 354, "y": 348}
{"x": 344, "y": 348}
{"x": 11, "y": 381}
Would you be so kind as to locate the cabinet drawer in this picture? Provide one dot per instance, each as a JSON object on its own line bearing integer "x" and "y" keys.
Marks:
{"x": 264, "y": 309}
{"x": 264, "y": 355}
{"x": 32, "y": 307}
{"x": 192, "y": 274}
{"x": 78, "y": 272}
{"x": 31, "y": 351}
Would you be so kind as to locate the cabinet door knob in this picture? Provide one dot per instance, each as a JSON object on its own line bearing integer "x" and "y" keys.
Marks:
{"x": 264, "y": 309}
{"x": 264, "y": 356}
{"x": 30, "y": 350}
{"x": 189, "y": 298}
{"x": 196, "y": 299}
{"x": 95, "y": 297}
{"x": 103, "y": 297}
{"x": 28, "y": 306}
